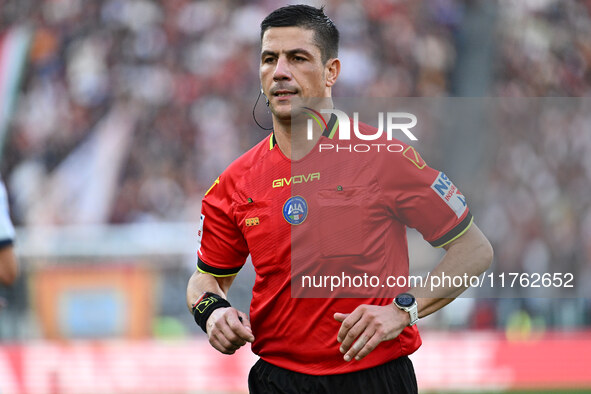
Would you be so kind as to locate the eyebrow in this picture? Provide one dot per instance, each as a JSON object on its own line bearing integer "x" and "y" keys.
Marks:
{"x": 291, "y": 52}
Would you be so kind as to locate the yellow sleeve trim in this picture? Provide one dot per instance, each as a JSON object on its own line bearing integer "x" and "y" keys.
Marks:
{"x": 216, "y": 275}
{"x": 459, "y": 235}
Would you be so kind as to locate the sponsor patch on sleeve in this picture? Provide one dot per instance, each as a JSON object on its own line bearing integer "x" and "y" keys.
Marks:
{"x": 450, "y": 194}
{"x": 200, "y": 230}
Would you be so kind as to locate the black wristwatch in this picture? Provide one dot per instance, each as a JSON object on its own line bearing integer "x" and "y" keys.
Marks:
{"x": 408, "y": 303}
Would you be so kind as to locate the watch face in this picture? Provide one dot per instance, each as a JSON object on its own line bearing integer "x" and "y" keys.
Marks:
{"x": 405, "y": 299}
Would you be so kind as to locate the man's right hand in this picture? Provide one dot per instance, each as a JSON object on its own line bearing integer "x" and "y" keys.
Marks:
{"x": 228, "y": 330}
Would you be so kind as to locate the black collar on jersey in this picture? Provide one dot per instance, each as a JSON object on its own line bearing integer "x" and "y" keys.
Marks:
{"x": 327, "y": 131}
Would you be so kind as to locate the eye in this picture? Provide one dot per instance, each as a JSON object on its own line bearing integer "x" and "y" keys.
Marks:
{"x": 268, "y": 60}
{"x": 300, "y": 59}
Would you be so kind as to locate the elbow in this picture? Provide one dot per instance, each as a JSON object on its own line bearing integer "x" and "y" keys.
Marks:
{"x": 486, "y": 253}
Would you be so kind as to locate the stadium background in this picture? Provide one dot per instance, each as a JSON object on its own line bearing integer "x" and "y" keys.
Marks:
{"x": 116, "y": 116}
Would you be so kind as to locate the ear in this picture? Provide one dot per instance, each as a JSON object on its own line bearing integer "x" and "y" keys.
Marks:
{"x": 332, "y": 70}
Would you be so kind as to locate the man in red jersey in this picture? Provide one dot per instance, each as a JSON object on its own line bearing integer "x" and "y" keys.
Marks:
{"x": 322, "y": 345}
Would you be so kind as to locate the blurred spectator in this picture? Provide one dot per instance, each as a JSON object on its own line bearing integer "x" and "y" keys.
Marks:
{"x": 189, "y": 68}
{"x": 8, "y": 265}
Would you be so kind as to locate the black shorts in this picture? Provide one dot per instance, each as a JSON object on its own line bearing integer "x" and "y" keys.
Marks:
{"x": 394, "y": 377}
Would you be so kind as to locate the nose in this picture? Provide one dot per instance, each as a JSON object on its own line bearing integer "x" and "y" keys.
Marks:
{"x": 282, "y": 71}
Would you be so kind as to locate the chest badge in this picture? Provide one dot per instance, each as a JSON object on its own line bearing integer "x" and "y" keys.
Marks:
{"x": 252, "y": 222}
{"x": 295, "y": 210}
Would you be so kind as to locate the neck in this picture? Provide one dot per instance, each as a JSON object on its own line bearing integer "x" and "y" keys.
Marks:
{"x": 292, "y": 135}
{"x": 293, "y": 139}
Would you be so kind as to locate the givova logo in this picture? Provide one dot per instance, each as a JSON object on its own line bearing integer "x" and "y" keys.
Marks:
{"x": 450, "y": 194}
{"x": 296, "y": 179}
{"x": 392, "y": 120}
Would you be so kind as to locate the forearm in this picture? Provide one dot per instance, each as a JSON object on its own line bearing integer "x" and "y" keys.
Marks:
{"x": 200, "y": 283}
{"x": 8, "y": 266}
{"x": 227, "y": 328}
{"x": 468, "y": 256}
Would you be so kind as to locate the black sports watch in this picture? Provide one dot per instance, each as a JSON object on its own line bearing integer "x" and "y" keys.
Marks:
{"x": 408, "y": 303}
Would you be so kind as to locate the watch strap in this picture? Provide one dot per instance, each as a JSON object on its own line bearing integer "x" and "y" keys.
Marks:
{"x": 412, "y": 309}
{"x": 413, "y": 312}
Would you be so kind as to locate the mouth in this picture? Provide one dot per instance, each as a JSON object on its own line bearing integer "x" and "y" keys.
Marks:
{"x": 284, "y": 94}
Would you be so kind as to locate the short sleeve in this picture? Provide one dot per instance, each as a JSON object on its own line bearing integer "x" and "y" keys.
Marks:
{"x": 424, "y": 198}
{"x": 6, "y": 227}
{"x": 222, "y": 250}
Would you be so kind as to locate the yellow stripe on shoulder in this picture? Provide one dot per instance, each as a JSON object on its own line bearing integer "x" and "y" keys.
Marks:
{"x": 411, "y": 154}
{"x": 215, "y": 183}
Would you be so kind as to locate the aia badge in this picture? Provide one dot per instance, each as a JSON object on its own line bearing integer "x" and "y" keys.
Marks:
{"x": 450, "y": 194}
{"x": 295, "y": 210}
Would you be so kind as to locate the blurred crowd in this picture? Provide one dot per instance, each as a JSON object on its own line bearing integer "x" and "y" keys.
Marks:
{"x": 538, "y": 213}
{"x": 189, "y": 69}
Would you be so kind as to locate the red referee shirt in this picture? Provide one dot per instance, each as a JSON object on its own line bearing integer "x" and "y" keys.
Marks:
{"x": 331, "y": 213}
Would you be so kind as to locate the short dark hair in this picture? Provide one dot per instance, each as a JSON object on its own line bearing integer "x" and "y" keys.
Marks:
{"x": 326, "y": 33}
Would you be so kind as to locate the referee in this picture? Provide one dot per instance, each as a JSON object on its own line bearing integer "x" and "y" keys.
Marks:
{"x": 323, "y": 345}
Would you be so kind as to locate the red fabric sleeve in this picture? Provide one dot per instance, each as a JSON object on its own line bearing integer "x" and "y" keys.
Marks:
{"x": 423, "y": 198}
{"x": 222, "y": 250}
